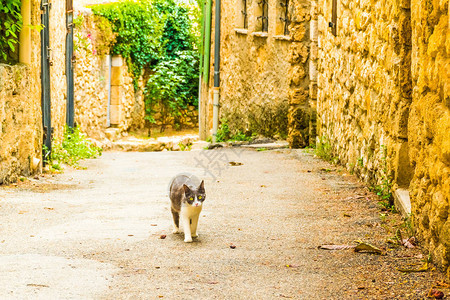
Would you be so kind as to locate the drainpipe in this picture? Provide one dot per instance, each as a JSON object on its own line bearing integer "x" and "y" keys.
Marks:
{"x": 108, "y": 109}
{"x": 202, "y": 51}
{"x": 216, "y": 72}
{"x": 207, "y": 42}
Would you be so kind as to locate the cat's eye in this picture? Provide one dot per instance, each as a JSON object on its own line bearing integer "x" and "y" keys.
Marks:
{"x": 191, "y": 199}
{"x": 200, "y": 197}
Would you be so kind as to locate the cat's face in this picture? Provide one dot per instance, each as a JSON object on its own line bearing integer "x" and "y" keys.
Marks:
{"x": 194, "y": 197}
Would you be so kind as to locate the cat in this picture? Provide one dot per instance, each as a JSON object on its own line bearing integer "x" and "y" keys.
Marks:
{"x": 186, "y": 196}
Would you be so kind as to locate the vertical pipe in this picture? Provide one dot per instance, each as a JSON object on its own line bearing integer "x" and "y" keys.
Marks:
{"x": 207, "y": 43}
{"x": 216, "y": 71}
{"x": 25, "y": 33}
{"x": 108, "y": 109}
{"x": 202, "y": 51}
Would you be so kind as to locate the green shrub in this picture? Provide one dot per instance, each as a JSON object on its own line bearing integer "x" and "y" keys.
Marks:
{"x": 224, "y": 133}
{"x": 71, "y": 150}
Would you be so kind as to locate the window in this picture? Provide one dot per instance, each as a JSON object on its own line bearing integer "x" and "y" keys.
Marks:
{"x": 284, "y": 18}
{"x": 333, "y": 23}
{"x": 243, "y": 14}
{"x": 263, "y": 16}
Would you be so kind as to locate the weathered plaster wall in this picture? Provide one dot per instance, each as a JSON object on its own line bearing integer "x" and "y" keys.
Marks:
{"x": 20, "y": 111}
{"x": 429, "y": 125}
{"x": 364, "y": 86}
{"x": 254, "y": 95}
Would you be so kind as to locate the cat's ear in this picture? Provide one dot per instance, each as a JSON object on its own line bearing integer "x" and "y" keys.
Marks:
{"x": 186, "y": 189}
{"x": 201, "y": 187}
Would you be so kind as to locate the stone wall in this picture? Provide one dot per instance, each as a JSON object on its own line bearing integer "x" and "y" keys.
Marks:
{"x": 383, "y": 102}
{"x": 429, "y": 125}
{"x": 58, "y": 83}
{"x": 301, "y": 102}
{"x": 20, "y": 111}
{"x": 20, "y": 122}
{"x": 254, "y": 94}
{"x": 92, "y": 80}
{"x": 364, "y": 87}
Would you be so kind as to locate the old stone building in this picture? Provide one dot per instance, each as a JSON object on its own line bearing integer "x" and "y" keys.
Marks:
{"x": 257, "y": 54}
{"x": 369, "y": 79}
{"x": 22, "y": 90}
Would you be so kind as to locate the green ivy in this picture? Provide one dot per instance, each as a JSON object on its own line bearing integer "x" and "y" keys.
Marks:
{"x": 139, "y": 29}
{"x": 161, "y": 38}
{"x": 10, "y": 26}
{"x": 173, "y": 86}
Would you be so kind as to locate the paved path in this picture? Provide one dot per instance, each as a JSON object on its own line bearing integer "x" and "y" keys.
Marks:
{"x": 96, "y": 233}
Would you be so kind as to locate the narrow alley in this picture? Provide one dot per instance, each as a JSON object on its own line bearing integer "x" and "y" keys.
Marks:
{"x": 105, "y": 232}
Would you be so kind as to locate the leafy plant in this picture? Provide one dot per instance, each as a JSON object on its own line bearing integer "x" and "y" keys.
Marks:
{"x": 172, "y": 87}
{"x": 324, "y": 150}
{"x": 224, "y": 133}
{"x": 71, "y": 150}
{"x": 10, "y": 26}
{"x": 158, "y": 40}
{"x": 384, "y": 189}
{"x": 139, "y": 29}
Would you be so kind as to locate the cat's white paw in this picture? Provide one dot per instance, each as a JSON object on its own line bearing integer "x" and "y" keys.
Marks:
{"x": 176, "y": 230}
{"x": 188, "y": 240}
{"x": 195, "y": 235}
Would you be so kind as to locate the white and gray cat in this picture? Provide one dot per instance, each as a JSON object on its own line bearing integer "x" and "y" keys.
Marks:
{"x": 186, "y": 194}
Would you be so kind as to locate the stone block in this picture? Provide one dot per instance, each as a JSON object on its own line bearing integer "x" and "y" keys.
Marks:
{"x": 117, "y": 76}
{"x": 117, "y": 95}
{"x": 115, "y": 114}
{"x": 298, "y": 96}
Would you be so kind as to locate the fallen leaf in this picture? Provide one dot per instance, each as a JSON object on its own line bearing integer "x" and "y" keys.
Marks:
{"x": 436, "y": 294}
{"x": 336, "y": 247}
{"x": 347, "y": 215}
{"x": 232, "y": 246}
{"x": 131, "y": 235}
{"x": 423, "y": 268}
{"x": 49, "y": 208}
{"x": 163, "y": 236}
{"x": 153, "y": 224}
{"x": 234, "y": 164}
{"x": 365, "y": 247}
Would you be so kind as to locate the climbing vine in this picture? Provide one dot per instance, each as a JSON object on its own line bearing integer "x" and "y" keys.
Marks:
{"x": 160, "y": 40}
{"x": 10, "y": 26}
{"x": 139, "y": 30}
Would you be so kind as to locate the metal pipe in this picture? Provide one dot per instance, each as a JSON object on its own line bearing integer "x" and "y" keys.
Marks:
{"x": 216, "y": 72}
{"x": 207, "y": 42}
{"x": 108, "y": 109}
{"x": 201, "y": 57}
